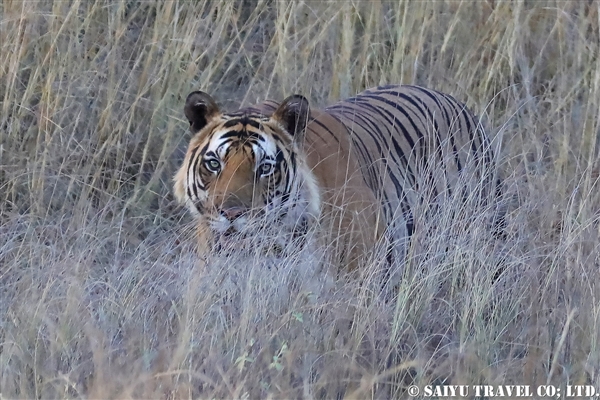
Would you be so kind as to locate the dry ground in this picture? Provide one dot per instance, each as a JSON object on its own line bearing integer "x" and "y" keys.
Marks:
{"x": 100, "y": 293}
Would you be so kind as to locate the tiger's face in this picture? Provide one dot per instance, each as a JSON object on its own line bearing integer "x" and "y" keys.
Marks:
{"x": 243, "y": 168}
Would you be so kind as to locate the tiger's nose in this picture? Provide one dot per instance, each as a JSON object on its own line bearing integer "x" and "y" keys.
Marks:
{"x": 232, "y": 213}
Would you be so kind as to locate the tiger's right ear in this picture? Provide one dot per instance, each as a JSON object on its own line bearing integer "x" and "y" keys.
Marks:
{"x": 199, "y": 109}
{"x": 293, "y": 114}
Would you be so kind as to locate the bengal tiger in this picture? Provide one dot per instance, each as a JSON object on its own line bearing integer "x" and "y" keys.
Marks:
{"x": 353, "y": 171}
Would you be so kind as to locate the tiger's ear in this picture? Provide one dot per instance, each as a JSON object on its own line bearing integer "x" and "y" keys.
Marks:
{"x": 293, "y": 114}
{"x": 199, "y": 109}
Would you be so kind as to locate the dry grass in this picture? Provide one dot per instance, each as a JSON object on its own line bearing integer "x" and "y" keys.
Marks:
{"x": 101, "y": 295}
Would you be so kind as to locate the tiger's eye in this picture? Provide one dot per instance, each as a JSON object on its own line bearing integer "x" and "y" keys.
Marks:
{"x": 213, "y": 165}
{"x": 266, "y": 168}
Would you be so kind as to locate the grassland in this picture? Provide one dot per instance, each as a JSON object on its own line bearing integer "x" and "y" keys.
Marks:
{"x": 101, "y": 295}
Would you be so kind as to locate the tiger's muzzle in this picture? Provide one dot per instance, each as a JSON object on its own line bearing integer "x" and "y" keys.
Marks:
{"x": 233, "y": 213}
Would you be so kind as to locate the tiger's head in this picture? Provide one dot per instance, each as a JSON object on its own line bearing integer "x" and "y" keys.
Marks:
{"x": 246, "y": 167}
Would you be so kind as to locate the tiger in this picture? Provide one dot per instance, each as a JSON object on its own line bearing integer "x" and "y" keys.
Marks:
{"x": 353, "y": 171}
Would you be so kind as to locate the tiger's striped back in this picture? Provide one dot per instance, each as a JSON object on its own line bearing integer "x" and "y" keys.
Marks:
{"x": 405, "y": 136}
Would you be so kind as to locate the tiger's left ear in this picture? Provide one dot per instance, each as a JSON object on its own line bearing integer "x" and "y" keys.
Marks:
{"x": 199, "y": 109}
{"x": 293, "y": 114}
